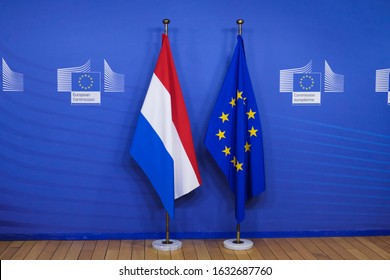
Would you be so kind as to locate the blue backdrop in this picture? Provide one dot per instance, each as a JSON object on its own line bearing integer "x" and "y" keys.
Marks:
{"x": 65, "y": 170}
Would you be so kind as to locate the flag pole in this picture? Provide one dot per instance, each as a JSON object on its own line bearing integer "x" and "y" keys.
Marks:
{"x": 238, "y": 240}
{"x": 167, "y": 241}
{"x": 166, "y": 21}
{"x": 167, "y": 244}
{"x": 239, "y": 22}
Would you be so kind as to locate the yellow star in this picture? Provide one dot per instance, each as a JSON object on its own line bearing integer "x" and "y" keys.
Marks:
{"x": 253, "y": 132}
{"x": 221, "y": 134}
{"x": 247, "y": 147}
{"x": 239, "y": 166}
{"x": 239, "y": 94}
{"x": 251, "y": 114}
{"x": 233, "y": 102}
{"x": 234, "y": 161}
{"x": 224, "y": 117}
{"x": 226, "y": 151}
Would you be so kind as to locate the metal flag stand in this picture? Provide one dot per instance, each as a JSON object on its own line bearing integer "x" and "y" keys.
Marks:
{"x": 238, "y": 243}
{"x": 166, "y": 244}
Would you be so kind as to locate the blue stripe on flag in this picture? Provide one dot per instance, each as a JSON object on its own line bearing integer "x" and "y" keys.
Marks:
{"x": 151, "y": 155}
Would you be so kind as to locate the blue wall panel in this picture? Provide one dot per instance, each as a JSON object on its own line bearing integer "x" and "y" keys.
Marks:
{"x": 65, "y": 170}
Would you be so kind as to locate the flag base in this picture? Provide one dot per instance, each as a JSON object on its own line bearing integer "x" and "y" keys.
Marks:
{"x": 161, "y": 245}
{"x": 232, "y": 244}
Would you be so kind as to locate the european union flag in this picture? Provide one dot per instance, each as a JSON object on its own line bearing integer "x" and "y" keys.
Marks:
{"x": 89, "y": 81}
{"x": 234, "y": 136}
{"x": 307, "y": 82}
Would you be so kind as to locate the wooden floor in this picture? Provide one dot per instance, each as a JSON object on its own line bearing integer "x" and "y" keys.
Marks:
{"x": 330, "y": 248}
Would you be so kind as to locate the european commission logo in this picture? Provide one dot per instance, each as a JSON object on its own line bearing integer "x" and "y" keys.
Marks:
{"x": 382, "y": 82}
{"x": 85, "y": 85}
{"x": 306, "y": 86}
{"x": 86, "y": 88}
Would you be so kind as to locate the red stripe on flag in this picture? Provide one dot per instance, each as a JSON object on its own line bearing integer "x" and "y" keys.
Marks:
{"x": 166, "y": 72}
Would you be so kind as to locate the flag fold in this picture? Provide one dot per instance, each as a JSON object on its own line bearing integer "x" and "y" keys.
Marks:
{"x": 162, "y": 144}
{"x": 234, "y": 135}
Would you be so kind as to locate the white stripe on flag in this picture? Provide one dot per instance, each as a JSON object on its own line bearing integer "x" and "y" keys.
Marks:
{"x": 157, "y": 110}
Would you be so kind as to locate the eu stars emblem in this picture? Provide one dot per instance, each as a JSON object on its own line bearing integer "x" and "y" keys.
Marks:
{"x": 83, "y": 82}
{"x": 308, "y": 82}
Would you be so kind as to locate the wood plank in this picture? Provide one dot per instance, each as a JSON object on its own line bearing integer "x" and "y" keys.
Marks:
{"x": 303, "y": 251}
{"x": 332, "y": 254}
{"x": 226, "y": 253}
{"x": 87, "y": 250}
{"x": 385, "y": 239}
{"x": 374, "y": 248}
{"x": 8, "y": 253}
{"x": 275, "y": 248}
{"x": 313, "y": 249}
{"x": 113, "y": 250}
{"x": 201, "y": 250}
{"x": 74, "y": 250}
{"x": 213, "y": 249}
{"x": 380, "y": 243}
{"x": 62, "y": 250}
{"x": 23, "y": 250}
{"x": 177, "y": 254}
{"x": 358, "y": 254}
{"x": 11, "y": 250}
{"x": 350, "y": 248}
{"x": 17, "y": 243}
{"x": 36, "y": 250}
{"x": 364, "y": 249}
{"x": 189, "y": 250}
{"x": 138, "y": 250}
{"x": 49, "y": 250}
{"x": 100, "y": 250}
{"x": 344, "y": 253}
{"x": 288, "y": 249}
{"x": 164, "y": 255}
{"x": 263, "y": 249}
{"x": 125, "y": 250}
{"x": 4, "y": 245}
{"x": 242, "y": 255}
{"x": 254, "y": 254}
{"x": 150, "y": 253}
{"x": 377, "y": 241}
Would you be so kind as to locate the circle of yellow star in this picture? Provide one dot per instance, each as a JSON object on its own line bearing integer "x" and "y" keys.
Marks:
{"x": 221, "y": 134}
{"x": 85, "y": 81}
{"x": 253, "y": 132}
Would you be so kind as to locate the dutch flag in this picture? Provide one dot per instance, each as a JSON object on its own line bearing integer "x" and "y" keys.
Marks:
{"x": 162, "y": 143}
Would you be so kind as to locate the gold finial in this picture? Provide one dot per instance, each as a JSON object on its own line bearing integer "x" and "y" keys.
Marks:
{"x": 240, "y": 22}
